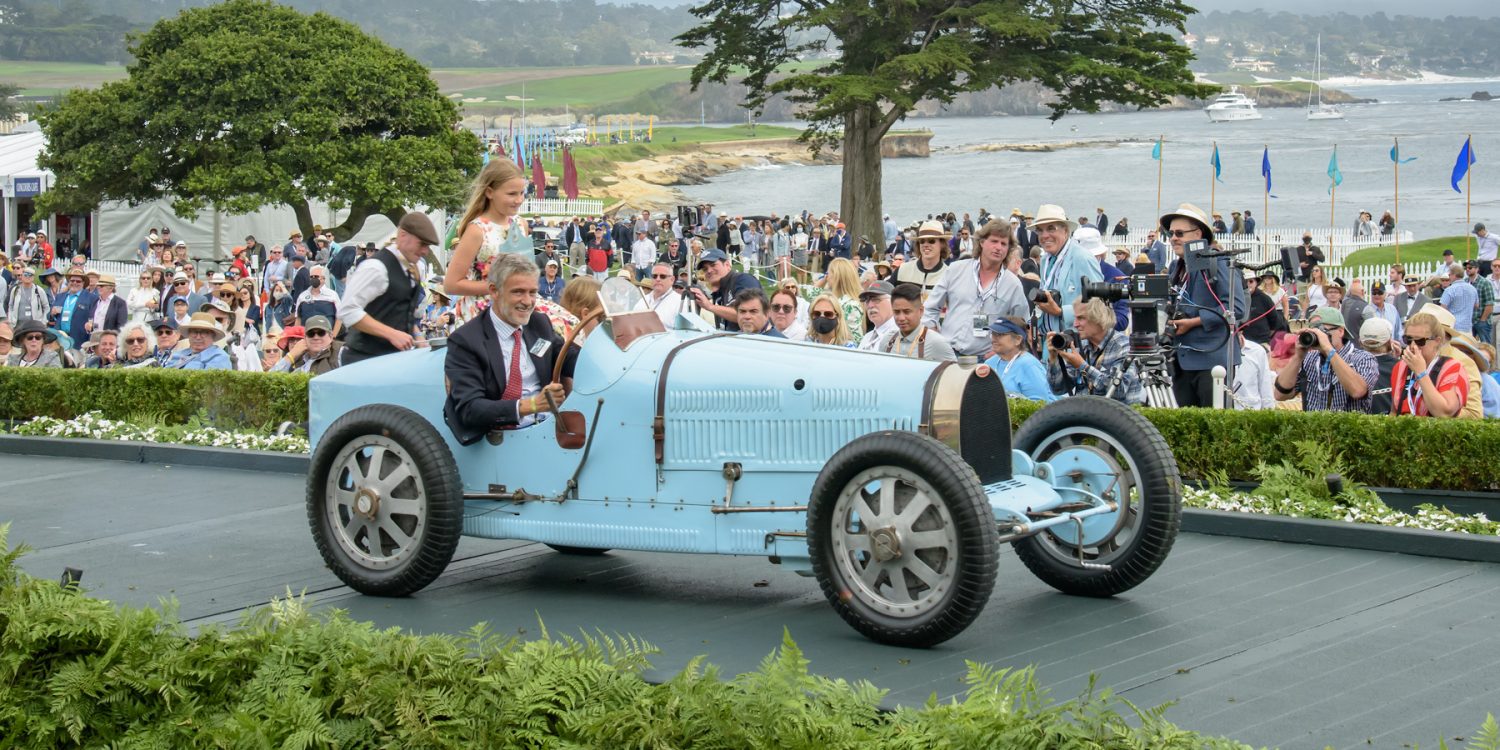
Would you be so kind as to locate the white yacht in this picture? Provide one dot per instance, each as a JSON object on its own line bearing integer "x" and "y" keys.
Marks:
{"x": 1232, "y": 106}
{"x": 1320, "y": 111}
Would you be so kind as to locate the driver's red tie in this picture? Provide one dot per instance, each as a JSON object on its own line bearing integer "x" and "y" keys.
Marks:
{"x": 513, "y": 382}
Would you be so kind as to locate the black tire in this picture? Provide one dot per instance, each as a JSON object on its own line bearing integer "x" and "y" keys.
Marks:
{"x": 960, "y": 547}
{"x": 425, "y": 507}
{"x": 1146, "y": 525}
{"x": 564, "y": 549}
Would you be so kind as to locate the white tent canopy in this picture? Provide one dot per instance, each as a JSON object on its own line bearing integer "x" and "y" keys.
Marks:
{"x": 120, "y": 229}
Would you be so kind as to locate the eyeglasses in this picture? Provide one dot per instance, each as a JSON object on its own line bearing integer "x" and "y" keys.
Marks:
{"x": 929, "y": 242}
{"x": 228, "y": 296}
{"x": 831, "y": 315}
{"x": 783, "y": 308}
{"x": 272, "y": 350}
{"x": 661, "y": 275}
{"x": 1416, "y": 341}
{"x": 165, "y": 332}
{"x": 316, "y": 334}
{"x": 179, "y": 283}
{"x": 1331, "y": 328}
{"x": 33, "y": 337}
{"x": 136, "y": 340}
{"x": 1180, "y": 233}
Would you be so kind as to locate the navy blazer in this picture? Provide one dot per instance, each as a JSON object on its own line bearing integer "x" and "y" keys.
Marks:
{"x": 1203, "y": 347}
{"x": 474, "y": 405}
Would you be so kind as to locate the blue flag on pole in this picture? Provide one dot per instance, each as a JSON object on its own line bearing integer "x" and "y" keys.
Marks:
{"x": 1156, "y": 150}
{"x": 1334, "y": 175}
{"x": 1461, "y": 167}
{"x": 1396, "y": 155}
{"x": 1265, "y": 169}
{"x": 1218, "y": 167}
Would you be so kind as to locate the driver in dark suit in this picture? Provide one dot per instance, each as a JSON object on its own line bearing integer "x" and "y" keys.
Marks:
{"x": 499, "y": 365}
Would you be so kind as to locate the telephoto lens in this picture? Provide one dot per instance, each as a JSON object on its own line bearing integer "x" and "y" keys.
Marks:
{"x": 1307, "y": 340}
{"x": 1057, "y": 341}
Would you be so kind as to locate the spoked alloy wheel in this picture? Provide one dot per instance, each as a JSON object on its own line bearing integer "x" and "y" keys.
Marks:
{"x": 375, "y": 502}
{"x": 902, "y": 539}
{"x": 894, "y": 542}
{"x": 1112, "y": 452}
{"x": 384, "y": 501}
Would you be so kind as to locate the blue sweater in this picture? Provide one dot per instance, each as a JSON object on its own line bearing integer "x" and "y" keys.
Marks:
{"x": 1024, "y": 376}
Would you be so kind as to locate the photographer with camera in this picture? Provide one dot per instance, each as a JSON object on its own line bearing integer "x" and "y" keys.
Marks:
{"x": 1330, "y": 373}
{"x": 1204, "y": 297}
{"x": 1085, "y": 361}
{"x": 1064, "y": 263}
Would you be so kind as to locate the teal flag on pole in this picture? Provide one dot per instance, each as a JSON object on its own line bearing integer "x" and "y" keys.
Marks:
{"x": 1334, "y": 175}
{"x": 1218, "y": 166}
{"x": 1156, "y": 150}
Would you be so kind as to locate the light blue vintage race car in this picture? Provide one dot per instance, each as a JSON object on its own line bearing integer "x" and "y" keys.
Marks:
{"x": 894, "y": 481}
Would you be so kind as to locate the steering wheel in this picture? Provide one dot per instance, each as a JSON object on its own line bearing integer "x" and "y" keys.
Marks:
{"x": 562, "y": 356}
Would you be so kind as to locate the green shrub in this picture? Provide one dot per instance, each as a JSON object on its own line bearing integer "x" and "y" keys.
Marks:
{"x": 244, "y": 400}
{"x": 1379, "y": 451}
{"x": 76, "y": 671}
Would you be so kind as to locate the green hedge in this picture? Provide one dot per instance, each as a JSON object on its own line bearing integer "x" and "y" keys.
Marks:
{"x": 1381, "y": 451}
{"x": 231, "y": 400}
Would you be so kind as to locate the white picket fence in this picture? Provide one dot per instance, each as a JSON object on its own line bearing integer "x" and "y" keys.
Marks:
{"x": 562, "y": 207}
{"x": 1266, "y": 244}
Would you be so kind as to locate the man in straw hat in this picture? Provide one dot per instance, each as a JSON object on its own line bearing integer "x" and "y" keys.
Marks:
{"x": 1065, "y": 268}
{"x": 385, "y": 295}
{"x": 110, "y": 312}
{"x": 73, "y": 309}
{"x": 1204, "y": 339}
{"x": 203, "y": 332}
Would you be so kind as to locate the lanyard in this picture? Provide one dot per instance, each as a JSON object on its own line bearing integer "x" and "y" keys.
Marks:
{"x": 1054, "y": 267}
{"x": 986, "y": 294}
{"x": 916, "y": 343}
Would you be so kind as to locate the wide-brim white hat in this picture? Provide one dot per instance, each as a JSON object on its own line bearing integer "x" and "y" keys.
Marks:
{"x": 205, "y": 322}
{"x": 1053, "y": 214}
{"x": 1191, "y": 213}
{"x": 1088, "y": 238}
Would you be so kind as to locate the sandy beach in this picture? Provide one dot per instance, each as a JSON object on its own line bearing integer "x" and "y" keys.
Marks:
{"x": 653, "y": 183}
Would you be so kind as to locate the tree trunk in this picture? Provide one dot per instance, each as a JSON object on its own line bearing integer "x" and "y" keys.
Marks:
{"x": 859, "y": 205}
{"x": 303, "y": 212}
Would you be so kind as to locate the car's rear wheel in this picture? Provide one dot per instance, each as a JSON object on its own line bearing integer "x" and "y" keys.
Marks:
{"x": 902, "y": 538}
{"x": 384, "y": 501}
{"x": 1115, "y": 453}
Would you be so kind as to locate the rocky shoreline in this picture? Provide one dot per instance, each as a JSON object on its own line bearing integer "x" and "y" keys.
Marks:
{"x": 653, "y": 183}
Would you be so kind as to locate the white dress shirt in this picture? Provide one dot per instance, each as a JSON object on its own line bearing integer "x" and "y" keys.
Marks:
{"x": 530, "y": 386}
{"x": 366, "y": 282}
{"x": 1253, "y": 379}
{"x": 871, "y": 340}
{"x": 665, "y": 307}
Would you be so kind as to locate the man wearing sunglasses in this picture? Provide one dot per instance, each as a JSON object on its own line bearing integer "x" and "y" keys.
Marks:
{"x": 662, "y": 298}
{"x": 1203, "y": 301}
{"x": 27, "y": 300}
{"x": 1329, "y": 373}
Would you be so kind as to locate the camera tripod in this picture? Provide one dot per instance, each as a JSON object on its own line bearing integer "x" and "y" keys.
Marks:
{"x": 1155, "y": 371}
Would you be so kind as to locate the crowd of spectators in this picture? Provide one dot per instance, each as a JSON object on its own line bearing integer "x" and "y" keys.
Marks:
{"x": 1007, "y": 292}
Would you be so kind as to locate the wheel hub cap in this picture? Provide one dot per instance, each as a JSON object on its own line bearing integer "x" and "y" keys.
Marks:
{"x": 367, "y": 502}
{"x": 885, "y": 544}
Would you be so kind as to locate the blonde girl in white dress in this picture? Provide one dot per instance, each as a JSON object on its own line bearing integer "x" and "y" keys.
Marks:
{"x": 490, "y": 226}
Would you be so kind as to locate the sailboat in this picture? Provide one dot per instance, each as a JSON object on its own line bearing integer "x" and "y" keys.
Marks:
{"x": 1320, "y": 111}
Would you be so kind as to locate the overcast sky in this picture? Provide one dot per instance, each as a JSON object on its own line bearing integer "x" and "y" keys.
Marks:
{"x": 1430, "y": 8}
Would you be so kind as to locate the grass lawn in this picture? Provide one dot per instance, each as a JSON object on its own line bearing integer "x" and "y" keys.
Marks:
{"x": 1414, "y": 252}
{"x": 579, "y": 90}
{"x": 51, "y": 78}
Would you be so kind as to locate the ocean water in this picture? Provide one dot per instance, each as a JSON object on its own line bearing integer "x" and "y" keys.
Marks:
{"x": 1122, "y": 177}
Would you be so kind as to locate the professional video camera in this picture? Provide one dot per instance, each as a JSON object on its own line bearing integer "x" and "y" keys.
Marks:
{"x": 1150, "y": 307}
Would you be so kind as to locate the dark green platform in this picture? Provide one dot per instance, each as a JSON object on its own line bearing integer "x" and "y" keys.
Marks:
{"x": 1272, "y": 644}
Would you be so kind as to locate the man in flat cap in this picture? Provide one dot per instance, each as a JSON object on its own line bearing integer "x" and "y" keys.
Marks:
{"x": 384, "y": 296}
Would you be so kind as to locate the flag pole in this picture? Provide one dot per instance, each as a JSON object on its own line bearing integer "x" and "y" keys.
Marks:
{"x": 1468, "y": 193}
{"x": 1396, "y": 213}
{"x": 1211, "y": 186}
{"x": 1265, "y": 213}
{"x": 1333, "y": 193}
{"x": 1161, "y": 157}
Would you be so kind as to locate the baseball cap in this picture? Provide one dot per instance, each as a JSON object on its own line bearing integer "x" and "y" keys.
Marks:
{"x": 160, "y": 323}
{"x": 1377, "y": 288}
{"x": 1326, "y": 316}
{"x": 712, "y": 255}
{"x": 1471, "y": 263}
{"x": 320, "y": 323}
{"x": 1003, "y": 325}
{"x": 1375, "y": 331}
{"x": 877, "y": 289}
{"x": 1447, "y": 253}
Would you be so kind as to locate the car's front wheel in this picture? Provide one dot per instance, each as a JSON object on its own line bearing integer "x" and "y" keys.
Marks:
{"x": 384, "y": 501}
{"x": 1118, "y": 454}
{"x": 902, "y": 538}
